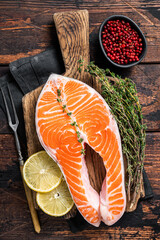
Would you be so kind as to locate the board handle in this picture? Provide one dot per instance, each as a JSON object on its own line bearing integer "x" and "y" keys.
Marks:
{"x": 73, "y": 34}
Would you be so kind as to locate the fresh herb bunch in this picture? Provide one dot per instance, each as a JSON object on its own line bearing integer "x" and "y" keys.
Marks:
{"x": 121, "y": 96}
{"x": 73, "y": 123}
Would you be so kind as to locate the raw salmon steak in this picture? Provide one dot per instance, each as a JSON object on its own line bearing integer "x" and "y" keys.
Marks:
{"x": 69, "y": 114}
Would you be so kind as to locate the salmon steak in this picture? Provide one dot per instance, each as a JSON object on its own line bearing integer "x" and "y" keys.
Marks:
{"x": 70, "y": 114}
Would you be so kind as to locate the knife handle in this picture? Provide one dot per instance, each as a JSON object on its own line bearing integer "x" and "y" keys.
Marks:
{"x": 33, "y": 212}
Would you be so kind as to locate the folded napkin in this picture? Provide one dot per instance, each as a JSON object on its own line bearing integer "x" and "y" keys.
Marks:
{"x": 25, "y": 75}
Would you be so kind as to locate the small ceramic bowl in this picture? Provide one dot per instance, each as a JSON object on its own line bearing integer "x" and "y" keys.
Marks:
{"x": 136, "y": 28}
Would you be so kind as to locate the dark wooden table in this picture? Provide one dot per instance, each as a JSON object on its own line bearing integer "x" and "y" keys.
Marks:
{"x": 26, "y": 28}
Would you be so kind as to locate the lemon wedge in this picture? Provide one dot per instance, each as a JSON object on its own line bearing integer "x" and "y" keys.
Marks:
{"x": 56, "y": 203}
{"x": 41, "y": 173}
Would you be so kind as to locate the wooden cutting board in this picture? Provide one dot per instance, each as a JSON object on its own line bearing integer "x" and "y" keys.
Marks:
{"x": 73, "y": 34}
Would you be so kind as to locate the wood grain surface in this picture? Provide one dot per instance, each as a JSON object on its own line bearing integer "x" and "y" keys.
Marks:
{"x": 14, "y": 218}
{"x": 31, "y": 23}
{"x": 73, "y": 34}
{"x": 28, "y": 26}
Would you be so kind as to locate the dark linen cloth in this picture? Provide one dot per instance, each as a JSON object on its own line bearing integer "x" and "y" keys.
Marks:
{"x": 25, "y": 75}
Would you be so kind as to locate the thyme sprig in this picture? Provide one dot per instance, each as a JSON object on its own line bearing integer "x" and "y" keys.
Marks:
{"x": 121, "y": 96}
{"x": 73, "y": 123}
{"x": 80, "y": 61}
{"x": 58, "y": 92}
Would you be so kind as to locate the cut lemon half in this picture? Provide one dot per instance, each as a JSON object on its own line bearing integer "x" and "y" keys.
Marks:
{"x": 41, "y": 173}
{"x": 56, "y": 203}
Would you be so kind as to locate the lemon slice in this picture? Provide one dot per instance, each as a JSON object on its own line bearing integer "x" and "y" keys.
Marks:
{"x": 41, "y": 173}
{"x": 56, "y": 203}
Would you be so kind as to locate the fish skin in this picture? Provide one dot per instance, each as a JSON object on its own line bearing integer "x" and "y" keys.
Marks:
{"x": 99, "y": 130}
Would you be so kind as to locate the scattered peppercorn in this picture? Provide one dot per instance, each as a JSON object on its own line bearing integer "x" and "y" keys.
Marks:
{"x": 121, "y": 42}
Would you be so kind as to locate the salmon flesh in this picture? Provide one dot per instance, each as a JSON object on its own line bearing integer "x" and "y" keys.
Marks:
{"x": 69, "y": 114}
